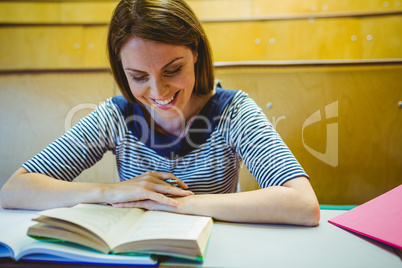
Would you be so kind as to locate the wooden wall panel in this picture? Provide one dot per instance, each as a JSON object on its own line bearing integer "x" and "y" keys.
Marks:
{"x": 307, "y": 39}
{"x": 53, "y": 47}
{"x": 83, "y": 12}
{"x": 37, "y": 12}
{"x": 76, "y": 35}
{"x": 359, "y": 5}
{"x": 311, "y": 39}
{"x": 262, "y": 7}
{"x": 69, "y": 47}
{"x": 236, "y": 41}
{"x": 213, "y": 9}
{"x": 368, "y": 144}
{"x": 94, "y": 47}
{"x": 41, "y": 47}
{"x": 34, "y": 109}
{"x": 217, "y": 9}
{"x": 29, "y": 12}
{"x": 381, "y": 37}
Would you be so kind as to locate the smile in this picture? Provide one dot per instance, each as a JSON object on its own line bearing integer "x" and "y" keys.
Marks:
{"x": 166, "y": 101}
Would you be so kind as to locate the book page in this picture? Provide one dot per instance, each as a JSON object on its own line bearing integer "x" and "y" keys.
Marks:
{"x": 165, "y": 225}
{"x": 13, "y": 228}
{"x": 109, "y": 223}
{"x": 66, "y": 253}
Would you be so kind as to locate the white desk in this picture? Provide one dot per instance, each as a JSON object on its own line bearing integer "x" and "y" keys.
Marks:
{"x": 263, "y": 245}
{"x": 255, "y": 245}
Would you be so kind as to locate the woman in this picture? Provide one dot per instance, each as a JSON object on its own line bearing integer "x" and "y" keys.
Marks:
{"x": 171, "y": 124}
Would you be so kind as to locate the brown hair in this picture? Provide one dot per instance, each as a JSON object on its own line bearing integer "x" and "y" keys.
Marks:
{"x": 166, "y": 21}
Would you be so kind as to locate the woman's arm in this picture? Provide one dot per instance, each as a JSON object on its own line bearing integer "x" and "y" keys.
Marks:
{"x": 292, "y": 203}
{"x": 36, "y": 191}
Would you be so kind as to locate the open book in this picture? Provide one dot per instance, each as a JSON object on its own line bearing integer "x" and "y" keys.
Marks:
{"x": 125, "y": 230}
{"x": 15, "y": 244}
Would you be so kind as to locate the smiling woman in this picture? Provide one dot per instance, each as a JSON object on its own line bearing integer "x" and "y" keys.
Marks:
{"x": 167, "y": 22}
{"x": 161, "y": 77}
{"x": 171, "y": 124}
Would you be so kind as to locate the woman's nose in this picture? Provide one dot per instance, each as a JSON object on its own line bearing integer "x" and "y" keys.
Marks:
{"x": 159, "y": 89}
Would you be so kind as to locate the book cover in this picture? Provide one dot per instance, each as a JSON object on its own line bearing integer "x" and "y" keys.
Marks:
{"x": 379, "y": 218}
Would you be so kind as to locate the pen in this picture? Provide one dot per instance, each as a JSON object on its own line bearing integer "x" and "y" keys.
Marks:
{"x": 172, "y": 182}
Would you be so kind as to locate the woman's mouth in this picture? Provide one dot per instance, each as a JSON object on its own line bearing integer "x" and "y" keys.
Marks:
{"x": 166, "y": 103}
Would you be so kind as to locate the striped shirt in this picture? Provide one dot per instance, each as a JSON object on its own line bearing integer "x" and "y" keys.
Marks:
{"x": 230, "y": 129}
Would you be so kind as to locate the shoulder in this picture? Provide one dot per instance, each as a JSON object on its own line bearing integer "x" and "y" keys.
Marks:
{"x": 237, "y": 102}
{"x": 122, "y": 104}
{"x": 224, "y": 95}
{"x": 119, "y": 101}
{"x": 123, "y": 107}
{"x": 225, "y": 99}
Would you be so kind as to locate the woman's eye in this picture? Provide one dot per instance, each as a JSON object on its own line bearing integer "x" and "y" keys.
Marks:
{"x": 173, "y": 72}
{"x": 139, "y": 78}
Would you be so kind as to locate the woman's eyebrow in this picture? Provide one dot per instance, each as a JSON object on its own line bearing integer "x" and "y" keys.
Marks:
{"x": 134, "y": 70}
{"x": 172, "y": 61}
{"x": 169, "y": 63}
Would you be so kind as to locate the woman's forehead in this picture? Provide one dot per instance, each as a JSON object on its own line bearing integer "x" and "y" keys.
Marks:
{"x": 143, "y": 52}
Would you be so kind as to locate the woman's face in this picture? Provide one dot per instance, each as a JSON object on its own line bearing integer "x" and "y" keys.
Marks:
{"x": 161, "y": 76}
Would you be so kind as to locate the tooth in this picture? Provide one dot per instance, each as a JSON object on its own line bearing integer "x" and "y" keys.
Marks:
{"x": 166, "y": 101}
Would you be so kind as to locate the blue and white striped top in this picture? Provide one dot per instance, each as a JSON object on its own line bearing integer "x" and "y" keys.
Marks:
{"x": 230, "y": 129}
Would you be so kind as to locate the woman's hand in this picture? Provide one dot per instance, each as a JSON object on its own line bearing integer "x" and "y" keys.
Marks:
{"x": 148, "y": 187}
{"x": 26, "y": 190}
{"x": 292, "y": 203}
{"x": 154, "y": 205}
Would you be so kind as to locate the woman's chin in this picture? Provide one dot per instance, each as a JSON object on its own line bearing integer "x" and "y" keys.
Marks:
{"x": 167, "y": 113}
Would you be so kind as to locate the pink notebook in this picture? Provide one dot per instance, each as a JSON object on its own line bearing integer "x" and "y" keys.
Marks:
{"x": 379, "y": 218}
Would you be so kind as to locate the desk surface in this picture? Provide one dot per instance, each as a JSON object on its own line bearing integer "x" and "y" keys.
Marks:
{"x": 255, "y": 245}
{"x": 263, "y": 245}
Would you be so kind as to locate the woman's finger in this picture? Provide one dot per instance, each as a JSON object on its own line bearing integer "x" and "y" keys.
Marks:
{"x": 168, "y": 177}
{"x": 144, "y": 204}
{"x": 169, "y": 189}
{"x": 159, "y": 198}
{"x": 155, "y": 181}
